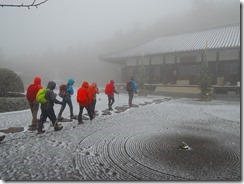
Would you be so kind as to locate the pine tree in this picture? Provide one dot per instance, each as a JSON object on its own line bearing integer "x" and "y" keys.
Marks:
{"x": 141, "y": 78}
{"x": 205, "y": 78}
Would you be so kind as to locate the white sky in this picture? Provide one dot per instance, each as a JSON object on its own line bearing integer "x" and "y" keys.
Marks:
{"x": 60, "y": 24}
{"x": 64, "y": 23}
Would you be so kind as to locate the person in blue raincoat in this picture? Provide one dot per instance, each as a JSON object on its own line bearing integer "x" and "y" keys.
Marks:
{"x": 67, "y": 99}
{"x": 131, "y": 89}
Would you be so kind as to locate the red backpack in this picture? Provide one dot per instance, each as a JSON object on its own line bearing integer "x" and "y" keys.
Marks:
{"x": 109, "y": 89}
{"x": 82, "y": 97}
{"x": 129, "y": 86}
{"x": 62, "y": 90}
{"x": 31, "y": 92}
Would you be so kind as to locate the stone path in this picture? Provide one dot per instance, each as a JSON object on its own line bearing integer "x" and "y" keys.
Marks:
{"x": 119, "y": 109}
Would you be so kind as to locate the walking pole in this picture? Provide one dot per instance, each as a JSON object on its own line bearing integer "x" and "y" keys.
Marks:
{"x": 55, "y": 123}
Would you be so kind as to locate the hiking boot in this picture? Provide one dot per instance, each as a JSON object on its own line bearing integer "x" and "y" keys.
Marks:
{"x": 60, "y": 118}
{"x": 32, "y": 127}
{"x": 57, "y": 128}
{"x": 72, "y": 116}
{"x": 93, "y": 117}
{"x": 51, "y": 125}
{"x": 80, "y": 122}
{"x": 2, "y": 137}
{"x": 40, "y": 131}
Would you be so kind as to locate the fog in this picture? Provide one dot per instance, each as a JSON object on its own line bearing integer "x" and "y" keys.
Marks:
{"x": 63, "y": 38}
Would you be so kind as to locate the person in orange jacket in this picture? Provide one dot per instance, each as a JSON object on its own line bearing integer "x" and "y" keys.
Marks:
{"x": 109, "y": 91}
{"x": 91, "y": 94}
{"x": 93, "y": 91}
{"x": 32, "y": 90}
{"x": 84, "y": 101}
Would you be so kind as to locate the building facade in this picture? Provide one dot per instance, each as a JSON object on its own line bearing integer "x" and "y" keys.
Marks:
{"x": 177, "y": 59}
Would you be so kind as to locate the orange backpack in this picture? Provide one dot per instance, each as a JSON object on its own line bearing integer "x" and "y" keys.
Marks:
{"x": 91, "y": 92}
{"x": 82, "y": 97}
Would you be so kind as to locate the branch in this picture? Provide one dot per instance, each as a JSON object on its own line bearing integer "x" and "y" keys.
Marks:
{"x": 33, "y": 4}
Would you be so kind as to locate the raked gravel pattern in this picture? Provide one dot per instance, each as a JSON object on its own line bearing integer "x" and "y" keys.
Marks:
{"x": 141, "y": 143}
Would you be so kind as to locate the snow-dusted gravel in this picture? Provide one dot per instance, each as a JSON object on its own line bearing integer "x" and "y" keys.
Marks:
{"x": 142, "y": 143}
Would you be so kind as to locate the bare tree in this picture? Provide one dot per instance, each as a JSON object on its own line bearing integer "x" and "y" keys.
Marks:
{"x": 33, "y": 4}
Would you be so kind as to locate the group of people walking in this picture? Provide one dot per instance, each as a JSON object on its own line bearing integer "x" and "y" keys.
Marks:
{"x": 86, "y": 97}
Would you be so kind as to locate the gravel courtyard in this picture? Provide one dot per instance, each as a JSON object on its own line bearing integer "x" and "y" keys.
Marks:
{"x": 145, "y": 143}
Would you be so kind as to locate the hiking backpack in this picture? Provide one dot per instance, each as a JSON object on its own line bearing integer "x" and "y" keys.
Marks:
{"x": 82, "y": 96}
{"x": 31, "y": 92}
{"x": 109, "y": 89}
{"x": 41, "y": 96}
{"x": 129, "y": 86}
{"x": 91, "y": 92}
{"x": 62, "y": 90}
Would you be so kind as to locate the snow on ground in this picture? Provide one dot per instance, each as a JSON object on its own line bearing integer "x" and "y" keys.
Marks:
{"x": 139, "y": 144}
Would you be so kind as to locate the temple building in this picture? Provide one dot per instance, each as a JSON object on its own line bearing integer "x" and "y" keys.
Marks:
{"x": 177, "y": 59}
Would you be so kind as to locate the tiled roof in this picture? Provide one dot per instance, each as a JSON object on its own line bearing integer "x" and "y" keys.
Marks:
{"x": 215, "y": 38}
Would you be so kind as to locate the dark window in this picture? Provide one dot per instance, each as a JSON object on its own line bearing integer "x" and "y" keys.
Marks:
{"x": 156, "y": 74}
{"x": 188, "y": 69}
{"x": 188, "y": 59}
{"x": 231, "y": 68}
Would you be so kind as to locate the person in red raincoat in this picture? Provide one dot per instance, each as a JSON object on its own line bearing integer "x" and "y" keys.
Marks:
{"x": 32, "y": 90}
{"x": 109, "y": 91}
{"x": 84, "y": 101}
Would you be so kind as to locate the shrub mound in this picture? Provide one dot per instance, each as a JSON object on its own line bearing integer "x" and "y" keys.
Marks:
{"x": 8, "y": 104}
{"x": 12, "y": 97}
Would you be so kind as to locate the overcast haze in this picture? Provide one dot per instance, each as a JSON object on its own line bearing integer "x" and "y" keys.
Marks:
{"x": 75, "y": 32}
{"x": 71, "y": 23}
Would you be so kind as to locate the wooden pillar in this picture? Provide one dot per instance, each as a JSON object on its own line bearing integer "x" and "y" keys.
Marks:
{"x": 202, "y": 57}
{"x": 239, "y": 64}
{"x": 218, "y": 67}
{"x": 150, "y": 70}
{"x": 162, "y": 71}
{"x": 219, "y": 71}
{"x": 137, "y": 68}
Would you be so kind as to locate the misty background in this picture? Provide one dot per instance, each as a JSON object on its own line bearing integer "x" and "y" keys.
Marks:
{"x": 64, "y": 38}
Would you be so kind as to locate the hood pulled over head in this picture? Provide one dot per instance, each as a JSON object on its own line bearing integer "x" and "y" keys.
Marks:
{"x": 85, "y": 84}
{"x": 71, "y": 81}
{"x": 51, "y": 85}
{"x": 94, "y": 84}
{"x": 112, "y": 82}
{"x": 37, "y": 81}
